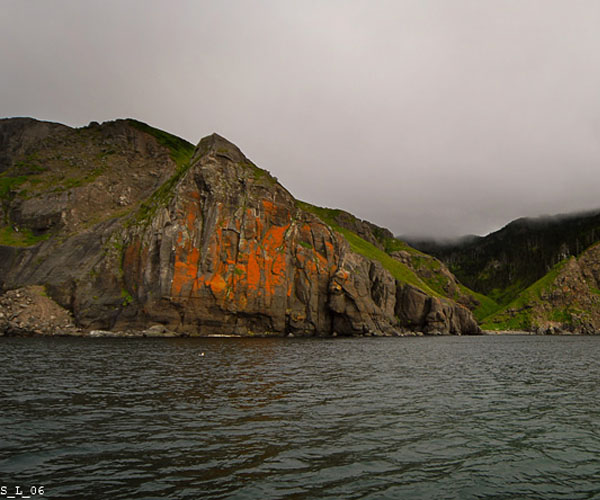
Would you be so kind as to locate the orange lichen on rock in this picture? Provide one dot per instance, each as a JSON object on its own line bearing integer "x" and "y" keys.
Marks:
{"x": 306, "y": 260}
{"x": 269, "y": 206}
{"x": 274, "y": 237}
{"x": 130, "y": 260}
{"x": 259, "y": 228}
{"x": 190, "y": 219}
{"x": 310, "y": 267}
{"x": 236, "y": 265}
{"x": 275, "y": 213}
{"x": 220, "y": 254}
{"x": 217, "y": 284}
{"x": 278, "y": 267}
{"x": 273, "y": 244}
{"x": 253, "y": 270}
{"x": 321, "y": 261}
{"x": 330, "y": 248}
{"x": 187, "y": 257}
{"x": 185, "y": 270}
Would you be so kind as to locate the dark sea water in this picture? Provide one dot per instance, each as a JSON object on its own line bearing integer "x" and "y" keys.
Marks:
{"x": 433, "y": 418}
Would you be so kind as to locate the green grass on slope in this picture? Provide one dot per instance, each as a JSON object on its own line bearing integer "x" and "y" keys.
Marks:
{"x": 438, "y": 281}
{"x": 396, "y": 245}
{"x": 181, "y": 153}
{"x": 10, "y": 183}
{"x": 504, "y": 296}
{"x": 486, "y": 305}
{"x": 327, "y": 215}
{"x": 521, "y": 318}
{"x": 397, "y": 269}
{"x": 180, "y": 149}
{"x": 23, "y": 238}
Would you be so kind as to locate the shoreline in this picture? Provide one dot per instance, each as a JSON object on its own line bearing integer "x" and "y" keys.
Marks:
{"x": 511, "y": 332}
{"x": 164, "y": 333}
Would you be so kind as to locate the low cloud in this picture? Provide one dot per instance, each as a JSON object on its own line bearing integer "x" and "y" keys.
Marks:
{"x": 430, "y": 117}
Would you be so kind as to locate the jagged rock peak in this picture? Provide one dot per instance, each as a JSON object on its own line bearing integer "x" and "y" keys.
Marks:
{"x": 216, "y": 145}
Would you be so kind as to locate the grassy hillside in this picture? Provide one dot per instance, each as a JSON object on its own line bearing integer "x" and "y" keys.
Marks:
{"x": 181, "y": 152}
{"x": 487, "y": 306}
{"x": 398, "y": 270}
{"x": 517, "y": 315}
{"x": 180, "y": 149}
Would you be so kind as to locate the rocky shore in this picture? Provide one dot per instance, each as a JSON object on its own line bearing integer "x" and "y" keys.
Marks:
{"x": 28, "y": 311}
{"x": 540, "y": 332}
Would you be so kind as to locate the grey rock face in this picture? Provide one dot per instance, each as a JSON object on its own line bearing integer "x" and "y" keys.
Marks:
{"x": 20, "y": 135}
{"x": 433, "y": 315}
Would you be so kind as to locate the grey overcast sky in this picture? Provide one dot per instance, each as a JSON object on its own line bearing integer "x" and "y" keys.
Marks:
{"x": 428, "y": 117}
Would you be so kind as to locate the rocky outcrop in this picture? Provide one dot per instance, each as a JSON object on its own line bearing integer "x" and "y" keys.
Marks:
{"x": 20, "y": 135}
{"x": 219, "y": 247}
{"x": 28, "y": 310}
{"x": 435, "y": 273}
{"x": 245, "y": 259}
{"x": 362, "y": 298}
{"x": 433, "y": 315}
{"x": 63, "y": 180}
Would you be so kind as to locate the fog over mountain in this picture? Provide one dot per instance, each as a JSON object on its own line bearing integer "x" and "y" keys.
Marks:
{"x": 428, "y": 117}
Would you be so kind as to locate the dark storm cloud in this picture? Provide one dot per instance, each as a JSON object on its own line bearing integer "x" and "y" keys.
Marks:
{"x": 429, "y": 117}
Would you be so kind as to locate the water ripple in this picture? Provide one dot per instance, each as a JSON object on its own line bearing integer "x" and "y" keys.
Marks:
{"x": 444, "y": 418}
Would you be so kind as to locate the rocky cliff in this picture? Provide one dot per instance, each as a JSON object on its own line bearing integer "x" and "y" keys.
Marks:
{"x": 126, "y": 226}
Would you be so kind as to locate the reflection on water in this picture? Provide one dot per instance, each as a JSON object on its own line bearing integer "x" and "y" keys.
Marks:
{"x": 478, "y": 417}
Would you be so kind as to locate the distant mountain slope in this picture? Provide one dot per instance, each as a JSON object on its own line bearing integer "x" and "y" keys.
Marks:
{"x": 565, "y": 299}
{"x": 128, "y": 226}
{"x": 506, "y": 262}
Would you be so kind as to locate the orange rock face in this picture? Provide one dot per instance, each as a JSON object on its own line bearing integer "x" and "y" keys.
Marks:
{"x": 241, "y": 255}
